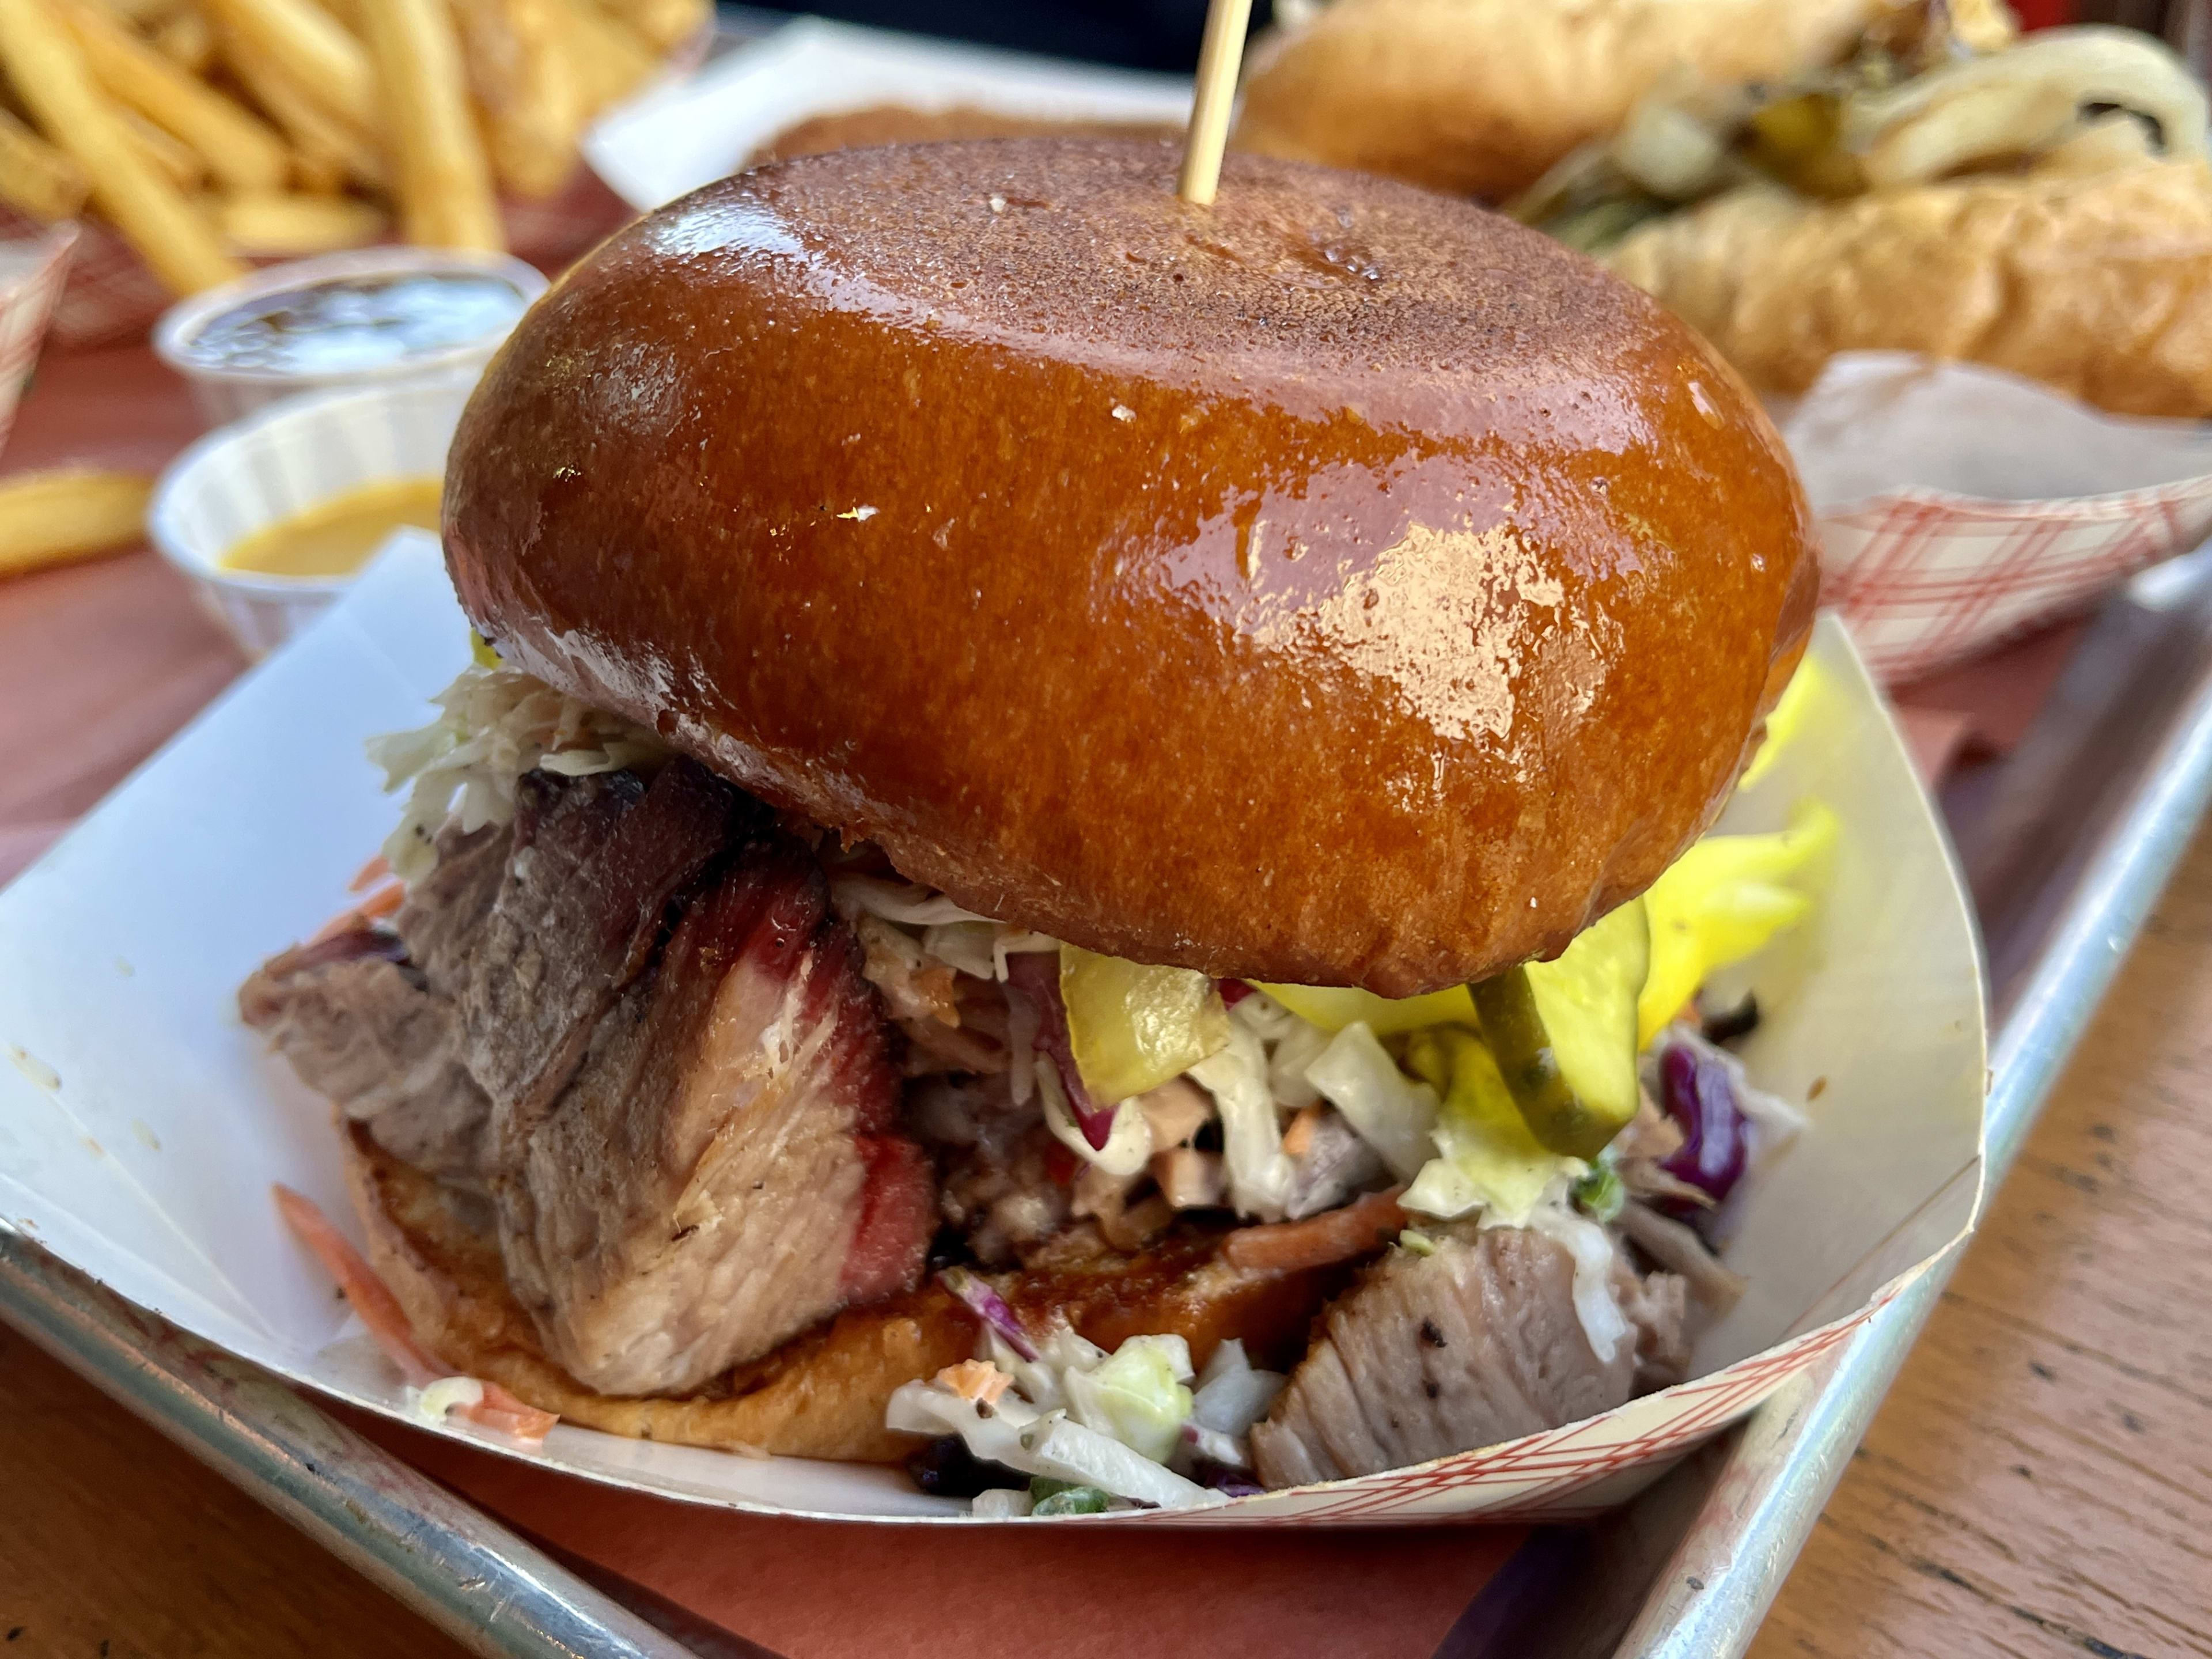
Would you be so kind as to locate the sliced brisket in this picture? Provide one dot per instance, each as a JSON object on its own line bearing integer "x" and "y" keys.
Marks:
{"x": 631, "y": 1021}
{"x": 720, "y": 1174}
{"x": 996, "y": 1161}
{"x": 360, "y": 1027}
{"x": 594, "y": 865}
{"x": 442, "y": 924}
{"x": 1430, "y": 1355}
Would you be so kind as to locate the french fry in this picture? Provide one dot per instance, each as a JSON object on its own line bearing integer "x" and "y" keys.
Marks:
{"x": 318, "y": 174}
{"x": 144, "y": 14}
{"x": 666, "y": 24}
{"x": 441, "y": 178}
{"x": 187, "y": 40}
{"x": 35, "y": 178}
{"x": 525, "y": 84}
{"x": 314, "y": 51}
{"x": 49, "y": 74}
{"x": 324, "y": 148}
{"x": 275, "y": 222}
{"x": 279, "y": 108}
{"x": 610, "y": 60}
{"x": 242, "y": 152}
{"x": 68, "y": 513}
{"x": 175, "y": 159}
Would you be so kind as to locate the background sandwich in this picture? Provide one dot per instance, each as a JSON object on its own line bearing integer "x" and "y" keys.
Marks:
{"x": 1482, "y": 97}
{"x": 1802, "y": 180}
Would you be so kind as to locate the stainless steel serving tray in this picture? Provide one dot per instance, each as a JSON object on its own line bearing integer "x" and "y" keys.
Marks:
{"x": 2066, "y": 845}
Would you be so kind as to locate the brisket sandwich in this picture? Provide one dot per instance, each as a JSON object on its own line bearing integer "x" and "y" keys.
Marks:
{"x": 999, "y": 685}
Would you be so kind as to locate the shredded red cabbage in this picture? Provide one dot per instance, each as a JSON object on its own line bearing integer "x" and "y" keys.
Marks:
{"x": 947, "y": 1468}
{"x": 1233, "y": 991}
{"x": 1225, "y": 1478}
{"x": 1035, "y": 976}
{"x": 988, "y": 1305}
{"x": 1699, "y": 1095}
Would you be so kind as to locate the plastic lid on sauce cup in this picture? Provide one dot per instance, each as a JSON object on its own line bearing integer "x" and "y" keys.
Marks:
{"x": 387, "y": 313}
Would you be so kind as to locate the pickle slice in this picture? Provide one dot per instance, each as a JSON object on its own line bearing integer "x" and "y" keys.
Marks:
{"x": 1564, "y": 1033}
{"x": 1332, "y": 1007}
{"x": 1486, "y": 1154}
{"x": 1131, "y": 1028}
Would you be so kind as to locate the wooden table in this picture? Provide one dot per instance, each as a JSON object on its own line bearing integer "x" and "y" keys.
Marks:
{"x": 2039, "y": 1483}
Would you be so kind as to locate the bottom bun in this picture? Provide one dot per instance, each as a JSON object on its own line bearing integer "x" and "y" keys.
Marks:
{"x": 823, "y": 1393}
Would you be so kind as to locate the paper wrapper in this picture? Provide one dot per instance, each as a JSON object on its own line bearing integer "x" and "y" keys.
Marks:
{"x": 31, "y": 270}
{"x": 142, "y": 1125}
{"x": 1961, "y": 507}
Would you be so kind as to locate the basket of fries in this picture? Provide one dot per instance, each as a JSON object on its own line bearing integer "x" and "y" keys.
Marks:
{"x": 198, "y": 137}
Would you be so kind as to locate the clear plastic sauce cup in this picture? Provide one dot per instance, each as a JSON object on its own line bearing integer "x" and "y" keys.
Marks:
{"x": 350, "y": 318}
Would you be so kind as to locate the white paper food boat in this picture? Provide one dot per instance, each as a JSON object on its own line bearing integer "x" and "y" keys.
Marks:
{"x": 142, "y": 1125}
{"x": 1962, "y": 505}
{"x": 695, "y": 131}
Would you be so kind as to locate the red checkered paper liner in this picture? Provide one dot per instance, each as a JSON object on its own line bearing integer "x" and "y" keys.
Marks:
{"x": 25, "y": 306}
{"x": 1927, "y": 579}
{"x": 110, "y": 294}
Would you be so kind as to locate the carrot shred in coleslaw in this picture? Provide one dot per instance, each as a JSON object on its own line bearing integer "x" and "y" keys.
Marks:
{"x": 379, "y": 1311}
{"x": 381, "y": 904}
{"x": 1320, "y": 1240}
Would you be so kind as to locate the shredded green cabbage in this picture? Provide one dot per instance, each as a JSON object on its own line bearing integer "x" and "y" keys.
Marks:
{"x": 1233, "y": 1394}
{"x": 495, "y": 725}
{"x": 1332, "y": 1007}
{"x": 1592, "y": 1249}
{"x": 1600, "y": 1194}
{"x": 1125, "y": 1422}
{"x": 1394, "y": 1114}
{"x": 1260, "y": 1171}
{"x": 1065, "y": 1499}
{"x": 429, "y": 1404}
{"x": 1138, "y": 1396}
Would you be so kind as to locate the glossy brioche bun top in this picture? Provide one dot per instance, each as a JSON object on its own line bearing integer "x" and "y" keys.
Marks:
{"x": 1338, "y": 584}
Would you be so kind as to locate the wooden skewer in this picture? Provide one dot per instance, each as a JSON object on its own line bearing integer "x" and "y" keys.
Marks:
{"x": 1219, "y": 57}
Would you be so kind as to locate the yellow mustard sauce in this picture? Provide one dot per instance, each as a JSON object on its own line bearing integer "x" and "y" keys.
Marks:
{"x": 333, "y": 538}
